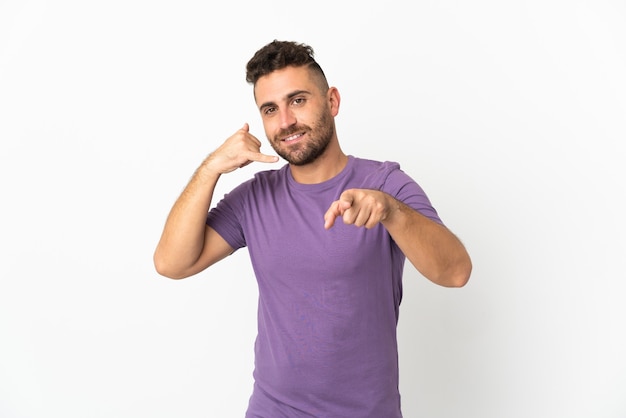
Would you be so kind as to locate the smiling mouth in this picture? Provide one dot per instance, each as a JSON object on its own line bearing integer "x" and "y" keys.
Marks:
{"x": 293, "y": 137}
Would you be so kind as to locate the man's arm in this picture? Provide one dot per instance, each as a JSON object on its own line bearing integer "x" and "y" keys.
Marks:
{"x": 434, "y": 251}
{"x": 187, "y": 245}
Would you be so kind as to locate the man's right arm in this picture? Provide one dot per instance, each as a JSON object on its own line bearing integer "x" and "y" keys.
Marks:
{"x": 187, "y": 245}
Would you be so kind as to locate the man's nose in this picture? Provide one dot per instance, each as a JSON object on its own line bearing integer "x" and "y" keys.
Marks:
{"x": 287, "y": 118}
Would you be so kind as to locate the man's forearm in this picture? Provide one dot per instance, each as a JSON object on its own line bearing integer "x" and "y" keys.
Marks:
{"x": 182, "y": 240}
{"x": 432, "y": 248}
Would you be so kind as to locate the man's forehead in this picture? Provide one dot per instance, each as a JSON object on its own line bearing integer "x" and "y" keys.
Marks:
{"x": 280, "y": 84}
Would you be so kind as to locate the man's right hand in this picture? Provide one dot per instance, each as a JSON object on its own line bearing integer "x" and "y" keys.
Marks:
{"x": 187, "y": 245}
{"x": 238, "y": 151}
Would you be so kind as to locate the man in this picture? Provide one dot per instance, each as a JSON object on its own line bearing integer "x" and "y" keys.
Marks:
{"x": 329, "y": 288}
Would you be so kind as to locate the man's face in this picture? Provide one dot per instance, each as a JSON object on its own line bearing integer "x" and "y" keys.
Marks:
{"x": 297, "y": 115}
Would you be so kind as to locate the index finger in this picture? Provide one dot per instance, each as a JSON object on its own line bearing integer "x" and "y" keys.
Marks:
{"x": 337, "y": 208}
{"x": 331, "y": 214}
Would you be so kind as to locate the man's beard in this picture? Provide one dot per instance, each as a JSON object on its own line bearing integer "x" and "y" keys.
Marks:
{"x": 307, "y": 151}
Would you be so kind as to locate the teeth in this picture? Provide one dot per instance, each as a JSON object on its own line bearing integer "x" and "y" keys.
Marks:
{"x": 292, "y": 137}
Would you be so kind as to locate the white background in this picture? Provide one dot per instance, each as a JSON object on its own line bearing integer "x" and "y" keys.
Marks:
{"x": 511, "y": 115}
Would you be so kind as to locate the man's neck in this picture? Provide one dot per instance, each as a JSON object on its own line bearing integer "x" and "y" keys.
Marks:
{"x": 324, "y": 168}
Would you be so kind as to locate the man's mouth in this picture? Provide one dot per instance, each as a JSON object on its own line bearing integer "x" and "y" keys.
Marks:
{"x": 293, "y": 137}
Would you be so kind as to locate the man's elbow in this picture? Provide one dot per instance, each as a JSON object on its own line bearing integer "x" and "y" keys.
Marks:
{"x": 166, "y": 269}
{"x": 460, "y": 275}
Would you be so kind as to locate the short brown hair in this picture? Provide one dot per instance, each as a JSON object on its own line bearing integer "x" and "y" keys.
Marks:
{"x": 281, "y": 54}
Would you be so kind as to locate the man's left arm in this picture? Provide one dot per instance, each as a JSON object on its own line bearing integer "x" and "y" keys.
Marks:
{"x": 431, "y": 247}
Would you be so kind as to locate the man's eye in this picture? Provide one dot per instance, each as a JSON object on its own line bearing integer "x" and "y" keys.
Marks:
{"x": 269, "y": 110}
{"x": 298, "y": 100}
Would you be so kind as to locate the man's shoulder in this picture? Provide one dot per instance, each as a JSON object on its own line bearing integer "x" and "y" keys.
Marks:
{"x": 375, "y": 172}
{"x": 372, "y": 164}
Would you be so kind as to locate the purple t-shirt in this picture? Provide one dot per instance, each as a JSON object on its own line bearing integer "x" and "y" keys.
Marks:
{"x": 328, "y": 299}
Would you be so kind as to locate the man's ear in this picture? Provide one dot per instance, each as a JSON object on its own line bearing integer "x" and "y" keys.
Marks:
{"x": 334, "y": 99}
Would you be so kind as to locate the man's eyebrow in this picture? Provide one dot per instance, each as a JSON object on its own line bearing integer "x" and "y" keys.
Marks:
{"x": 288, "y": 96}
{"x": 297, "y": 92}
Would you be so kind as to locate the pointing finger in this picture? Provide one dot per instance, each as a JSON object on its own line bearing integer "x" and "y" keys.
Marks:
{"x": 337, "y": 208}
{"x": 331, "y": 214}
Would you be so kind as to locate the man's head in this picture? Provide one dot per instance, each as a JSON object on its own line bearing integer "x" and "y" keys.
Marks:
{"x": 296, "y": 105}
